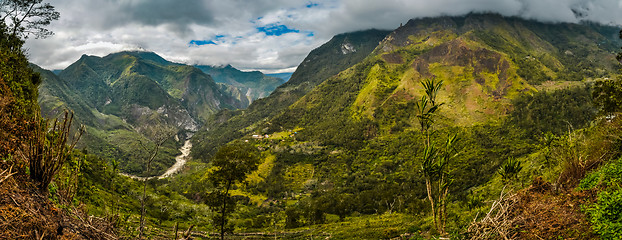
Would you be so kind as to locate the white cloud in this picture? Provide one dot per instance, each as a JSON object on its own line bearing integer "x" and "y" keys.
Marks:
{"x": 100, "y": 27}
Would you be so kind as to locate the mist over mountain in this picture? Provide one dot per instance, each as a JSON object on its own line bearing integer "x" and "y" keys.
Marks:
{"x": 338, "y": 54}
{"x": 284, "y": 76}
{"x": 249, "y": 86}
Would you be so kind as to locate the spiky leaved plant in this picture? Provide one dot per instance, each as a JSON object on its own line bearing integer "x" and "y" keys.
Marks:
{"x": 435, "y": 159}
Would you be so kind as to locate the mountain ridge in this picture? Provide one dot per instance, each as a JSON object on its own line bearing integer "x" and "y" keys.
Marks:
{"x": 499, "y": 64}
{"x": 247, "y": 86}
{"x": 319, "y": 65}
{"x": 125, "y": 98}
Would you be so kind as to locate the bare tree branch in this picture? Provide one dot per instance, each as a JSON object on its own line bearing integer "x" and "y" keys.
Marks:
{"x": 28, "y": 17}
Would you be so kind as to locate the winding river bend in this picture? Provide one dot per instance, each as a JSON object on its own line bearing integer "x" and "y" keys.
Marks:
{"x": 180, "y": 161}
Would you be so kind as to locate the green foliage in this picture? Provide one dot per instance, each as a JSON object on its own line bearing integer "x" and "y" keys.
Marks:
{"x": 426, "y": 109}
{"x": 607, "y": 95}
{"x": 26, "y": 17}
{"x": 436, "y": 161}
{"x": 606, "y": 214}
{"x": 48, "y": 147}
{"x": 17, "y": 81}
{"x": 106, "y": 193}
{"x": 557, "y": 112}
{"x": 607, "y": 176}
{"x": 530, "y": 70}
{"x": 509, "y": 170}
{"x": 232, "y": 163}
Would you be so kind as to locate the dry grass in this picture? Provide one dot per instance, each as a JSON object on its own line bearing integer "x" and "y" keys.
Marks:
{"x": 26, "y": 214}
{"x": 536, "y": 213}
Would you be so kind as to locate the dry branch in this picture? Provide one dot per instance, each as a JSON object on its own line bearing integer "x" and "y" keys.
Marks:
{"x": 9, "y": 174}
{"x": 47, "y": 148}
{"x": 497, "y": 223}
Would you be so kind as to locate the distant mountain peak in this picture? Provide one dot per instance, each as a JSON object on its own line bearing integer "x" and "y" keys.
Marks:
{"x": 144, "y": 55}
{"x": 249, "y": 86}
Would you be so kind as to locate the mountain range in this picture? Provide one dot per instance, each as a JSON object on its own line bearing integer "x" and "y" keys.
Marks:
{"x": 342, "y": 143}
{"x": 245, "y": 86}
{"x": 343, "y": 135}
{"x": 128, "y": 98}
{"x": 485, "y": 60}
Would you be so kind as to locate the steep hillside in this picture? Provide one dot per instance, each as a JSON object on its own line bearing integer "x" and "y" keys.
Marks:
{"x": 106, "y": 135}
{"x": 28, "y": 209}
{"x": 169, "y": 85}
{"x": 338, "y": 54}
{"x": 352, "y": 145}
{"x": 485, "y": 61}
{"x": 249, "y": 86}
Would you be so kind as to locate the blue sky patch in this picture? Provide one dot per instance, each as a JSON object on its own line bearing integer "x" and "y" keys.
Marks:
{"x": 202, "y": 42}
{"x": 312, "y": 4}
{"x": 276, "y": 30}
{"x": 213, "y": 41}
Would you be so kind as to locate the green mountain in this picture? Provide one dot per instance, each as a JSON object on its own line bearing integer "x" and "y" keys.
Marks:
{"x": 338, "y": 54}
{"x": 341, "y": 149}
{"x": 485, "y": 61}
{"x": 124, "y": 82}
{"x": 345, "y": 140}
{"x": 128, "y": 99}
{"x": 247, "y": 86}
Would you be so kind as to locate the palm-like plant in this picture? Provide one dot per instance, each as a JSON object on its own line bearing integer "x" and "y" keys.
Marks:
{"x": 509, "y": 171}
{"x": 430, "y": 170}
{"x": 435, "y": 160}
{"x": 431, "y": 88}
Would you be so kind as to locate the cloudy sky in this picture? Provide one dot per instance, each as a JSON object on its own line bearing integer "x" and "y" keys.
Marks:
{"x": 266, "y": 35}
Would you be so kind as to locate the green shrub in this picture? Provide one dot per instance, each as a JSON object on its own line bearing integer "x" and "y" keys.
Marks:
{"x": 606, "y": 215}
{"x": 608, "y": 175}
{"x": 509, "y": 171}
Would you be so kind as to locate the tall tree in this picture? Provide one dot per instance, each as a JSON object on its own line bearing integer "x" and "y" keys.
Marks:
{"x": 608, "y": 94}
{"x": 436, "y": 159}
{"x": 230, "y": 164}
{"x": 158, "y": 140}
{"x": 27, "y": 17}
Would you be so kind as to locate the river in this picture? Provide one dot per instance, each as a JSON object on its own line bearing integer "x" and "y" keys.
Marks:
{"x": 180, "y": 161}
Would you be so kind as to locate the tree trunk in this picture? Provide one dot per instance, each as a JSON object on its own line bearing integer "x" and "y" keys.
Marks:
{"x": 142, "y": 210}
{"x": 223, "y": 211}
{"x": 428, "y": 185}
{"x": 142, "y": 204}
{"x": 444, "y": 209}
